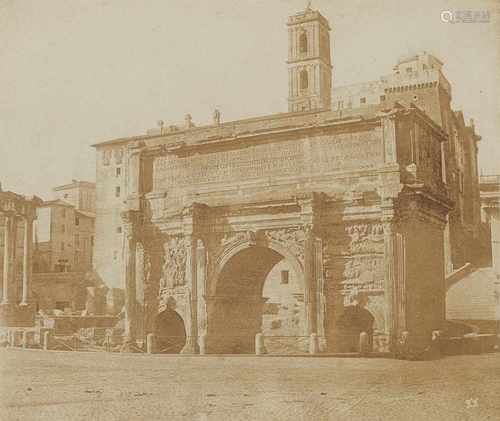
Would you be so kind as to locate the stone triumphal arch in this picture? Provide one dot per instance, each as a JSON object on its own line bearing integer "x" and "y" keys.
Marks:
{"x": 350, "y": 205}
{"x": 350, "y": 191}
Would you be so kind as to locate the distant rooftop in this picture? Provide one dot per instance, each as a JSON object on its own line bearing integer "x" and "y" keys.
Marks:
{"x": 56, "y": 202}
{"x": 73, "y": 184}
{"x": 417, "y": 56}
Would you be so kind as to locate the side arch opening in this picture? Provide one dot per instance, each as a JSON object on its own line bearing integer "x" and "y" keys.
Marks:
{"x": 169, "y": 330}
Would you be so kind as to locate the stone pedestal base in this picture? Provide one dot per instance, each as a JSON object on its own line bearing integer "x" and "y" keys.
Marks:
{"x": 16, "y": 315}
{"x": 130, "y": 346}
{"x": 191, "y": 346}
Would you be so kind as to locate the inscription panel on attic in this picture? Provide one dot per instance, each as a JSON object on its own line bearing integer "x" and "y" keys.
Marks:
{"x": 315, "y": 155}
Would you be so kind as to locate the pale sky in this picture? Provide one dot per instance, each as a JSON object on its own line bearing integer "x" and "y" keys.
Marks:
{"x": 73, "y": 73}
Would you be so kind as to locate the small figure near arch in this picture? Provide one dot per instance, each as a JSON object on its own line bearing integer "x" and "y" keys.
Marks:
{"x": 169, "y": 330}
{"x": 355, "y": 320}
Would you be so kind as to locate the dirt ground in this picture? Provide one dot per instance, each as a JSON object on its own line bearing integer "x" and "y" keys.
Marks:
{"x": 41, "y": 385}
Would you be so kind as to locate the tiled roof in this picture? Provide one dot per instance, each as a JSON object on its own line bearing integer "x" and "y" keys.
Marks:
{"x": 75, "y": 183}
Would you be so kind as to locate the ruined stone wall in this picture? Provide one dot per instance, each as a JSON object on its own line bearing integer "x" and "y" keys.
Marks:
{"x": 50, "y": 288}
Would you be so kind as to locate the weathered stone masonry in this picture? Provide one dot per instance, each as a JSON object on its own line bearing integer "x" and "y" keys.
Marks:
{"x": 356, "y": 204}
{"x": 357, "y": 201}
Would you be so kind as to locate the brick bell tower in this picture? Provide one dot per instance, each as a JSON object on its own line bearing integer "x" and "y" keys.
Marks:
{"x": 309, "y": 63}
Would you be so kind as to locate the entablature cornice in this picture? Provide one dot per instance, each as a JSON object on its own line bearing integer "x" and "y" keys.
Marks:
{"x": 314, "y": 126}
{"x": 17, "y": 205}
{"x": 419, "y": 203}
{"x": 418, "y": 116}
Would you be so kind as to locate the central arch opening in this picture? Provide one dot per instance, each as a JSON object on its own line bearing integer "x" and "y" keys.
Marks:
{"x": 258, "y": 291}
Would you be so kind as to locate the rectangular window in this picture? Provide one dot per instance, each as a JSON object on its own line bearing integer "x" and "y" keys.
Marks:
{"x": 118, "y": 171}
{"x": 119, "y": 230}
{"x": 285, "y": 276}
{"x": 409, "y": 70}
{"x": 340, "y": 105}
{"x": 117, "y": 191}
{"x": 77, "y": 220}
{"x": 362, "y": 100}
{"x": 382, "y": 98}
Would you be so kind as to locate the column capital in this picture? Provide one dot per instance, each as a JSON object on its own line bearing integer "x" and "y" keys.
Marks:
{"x": 8, "y": 214}
{"x": 130, "y": 216}
{"x": 310, "y": 205}
{"x": 308, "y": 229}
{"x": 30, "y": 216}
{"x": 388, "y": 226}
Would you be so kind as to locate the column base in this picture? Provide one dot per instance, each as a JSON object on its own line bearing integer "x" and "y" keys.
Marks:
{"x": 191, "y": 346}
{"x": 130, "y": 346}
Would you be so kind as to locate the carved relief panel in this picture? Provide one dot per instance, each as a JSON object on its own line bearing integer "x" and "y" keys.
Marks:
{"x": 354, "y": 256}
{"x": 429, "y": 158}
{"x": 174, "y": 266}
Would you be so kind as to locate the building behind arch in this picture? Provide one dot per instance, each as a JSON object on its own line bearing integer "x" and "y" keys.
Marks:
{"x": 371, "y": 187}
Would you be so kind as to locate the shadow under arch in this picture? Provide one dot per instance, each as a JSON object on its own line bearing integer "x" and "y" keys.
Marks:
{"x": 275, "y": 246}
{"x": 354, "y": 320}
{"x": 170, "y": 332}
{"x": 236, "y": 306}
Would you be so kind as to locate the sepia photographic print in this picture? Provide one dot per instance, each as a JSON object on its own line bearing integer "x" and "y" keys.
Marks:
{"x": 249, "y": 210}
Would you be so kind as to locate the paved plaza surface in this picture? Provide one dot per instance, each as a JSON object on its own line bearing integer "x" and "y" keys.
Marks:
{"x": 41, "y": 385}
